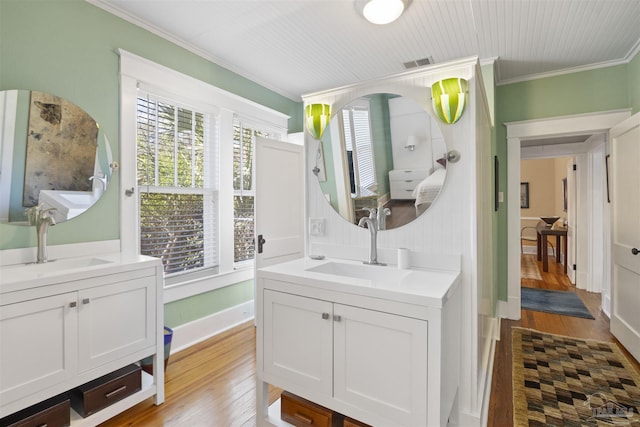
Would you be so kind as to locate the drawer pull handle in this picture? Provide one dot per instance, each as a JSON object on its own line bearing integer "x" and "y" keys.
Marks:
{"x": 303, "y": 418}
{"x": 86, "y": 301}
{"x": 337, "y": 318}
{"x": 73, "y": 304}
{"x": 408, "y": 180}
{"x": 325, "y": 316}
{"x": 114, "y": 392}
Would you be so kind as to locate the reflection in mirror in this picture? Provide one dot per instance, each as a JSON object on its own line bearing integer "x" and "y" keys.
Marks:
{"x": 52, "y": 153}
{"x": 381, "y": 151}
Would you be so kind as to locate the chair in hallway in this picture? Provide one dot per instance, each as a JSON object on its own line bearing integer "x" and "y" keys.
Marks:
{"x": 530, "y": 234}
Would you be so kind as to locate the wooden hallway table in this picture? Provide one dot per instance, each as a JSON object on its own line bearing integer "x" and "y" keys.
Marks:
{"x": 544, "y": 231}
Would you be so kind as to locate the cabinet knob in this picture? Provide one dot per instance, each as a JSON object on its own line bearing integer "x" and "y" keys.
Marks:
{"x": 337, "y": 318}
{"x": 73, "y": 304}
{"x": 86, "y": 300}
{"x": 635, "y": 251}
{"x": 325, "y": 316}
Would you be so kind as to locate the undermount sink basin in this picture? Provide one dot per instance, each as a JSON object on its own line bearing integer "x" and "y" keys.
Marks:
{"x": 19, "y": 272}
{"x": 68, "y": 204}
{"x": 360, "y": 271}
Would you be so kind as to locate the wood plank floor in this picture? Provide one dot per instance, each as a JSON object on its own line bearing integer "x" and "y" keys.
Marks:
{"x": 501, "y": 402}
{"x": 212, "y": 384}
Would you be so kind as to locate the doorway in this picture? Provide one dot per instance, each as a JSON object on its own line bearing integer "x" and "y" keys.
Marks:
{"x": 545, "y": 194}
{"x": 550, "y": 129}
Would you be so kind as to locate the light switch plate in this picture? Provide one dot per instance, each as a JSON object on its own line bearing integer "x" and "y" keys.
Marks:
{"x": 316, "y": 226}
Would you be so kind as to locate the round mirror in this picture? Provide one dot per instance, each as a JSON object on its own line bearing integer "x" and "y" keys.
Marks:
{"x": 381, "y": 151}
{"x": 53, "y": 153}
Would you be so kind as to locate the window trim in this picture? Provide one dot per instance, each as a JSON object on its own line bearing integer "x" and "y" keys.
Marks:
{"x": 135, "y": 72}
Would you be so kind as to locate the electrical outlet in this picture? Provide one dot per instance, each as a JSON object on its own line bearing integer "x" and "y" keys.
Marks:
{"x": 316, "y": 226}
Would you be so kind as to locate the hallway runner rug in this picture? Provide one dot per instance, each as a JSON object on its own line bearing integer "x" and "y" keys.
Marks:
{"x": 555, "y": 302}
{"x": 563, "y": 381}
{"x": 529, "y": 269}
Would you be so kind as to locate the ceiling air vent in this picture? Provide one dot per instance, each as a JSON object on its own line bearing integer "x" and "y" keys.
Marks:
{"x": 418, "y": 62}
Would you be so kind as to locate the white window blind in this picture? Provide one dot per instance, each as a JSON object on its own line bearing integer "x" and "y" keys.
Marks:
{"x": 176, "y": 182}
{"x": 357, "y": 135}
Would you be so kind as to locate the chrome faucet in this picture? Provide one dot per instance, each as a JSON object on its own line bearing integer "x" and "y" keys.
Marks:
{"x": 42, "y": 219}
{"x": 102, "y": 179}
{"x": 372, "y": 225}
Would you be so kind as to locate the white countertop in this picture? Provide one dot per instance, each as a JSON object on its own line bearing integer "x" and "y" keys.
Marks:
{"x": 415, "y": 286}
{"x": 18, "y": 277}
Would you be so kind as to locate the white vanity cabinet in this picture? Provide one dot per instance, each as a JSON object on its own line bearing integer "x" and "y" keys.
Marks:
{"x": 365, "y": 358}
{"x": 382, "y": 361}
{"x": 62, "y": 330}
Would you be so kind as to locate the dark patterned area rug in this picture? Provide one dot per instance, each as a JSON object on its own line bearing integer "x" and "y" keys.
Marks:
{"x": 563, "y": 381}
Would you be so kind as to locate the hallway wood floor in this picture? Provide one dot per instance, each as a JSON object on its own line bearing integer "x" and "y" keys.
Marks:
{"x": 212, "y": 384}
{"x": 501, "y": 402}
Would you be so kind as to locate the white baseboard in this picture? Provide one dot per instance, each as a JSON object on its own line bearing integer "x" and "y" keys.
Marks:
{"x": 468, "y": 420}
{"x": 486, "y": 397}
{"x": 199, "y": 330}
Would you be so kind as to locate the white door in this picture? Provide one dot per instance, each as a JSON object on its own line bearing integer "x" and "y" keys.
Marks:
{"x": 625, "y": 199}
{"x": 298, "y": 334}
{"x": 395, "y": 349}
{"x": 38, "y": 339}
{"x": 279, "y": 202}
{"x": 114, "y": 321}
{"x": 571, "y": 222}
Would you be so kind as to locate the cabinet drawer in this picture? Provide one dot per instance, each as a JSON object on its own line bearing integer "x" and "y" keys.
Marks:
{"x": 54, "y": 412}
{"x": 102, "y": 392}
{"x": 300, "y": 412}
{"x": 350, "y": 422}
{"x": 402, "y": 174}
{"x": 402, "y": 190}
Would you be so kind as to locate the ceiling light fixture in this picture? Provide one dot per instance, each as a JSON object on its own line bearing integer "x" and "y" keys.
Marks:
{"x": 381, "y": 12}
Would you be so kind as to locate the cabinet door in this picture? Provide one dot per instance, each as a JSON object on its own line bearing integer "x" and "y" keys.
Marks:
{"x": 380, "y": 363}
{"x": 297, "y": 340}
{"x": 115, "y": 320}
{"x": 38, "y": 339}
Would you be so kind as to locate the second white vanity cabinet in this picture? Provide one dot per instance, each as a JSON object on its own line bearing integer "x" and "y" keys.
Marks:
{"x": 366, "y": 358}
{"x": 356, "y": 347}
{"x": 61, "y": 330}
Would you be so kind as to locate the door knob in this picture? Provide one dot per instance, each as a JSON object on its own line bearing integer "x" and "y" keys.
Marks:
{"x": 635, "y": 251}
{"x": 261, "y": 241}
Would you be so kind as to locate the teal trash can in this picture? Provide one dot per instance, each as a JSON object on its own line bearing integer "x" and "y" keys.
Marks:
{"x": 147, "y": 363}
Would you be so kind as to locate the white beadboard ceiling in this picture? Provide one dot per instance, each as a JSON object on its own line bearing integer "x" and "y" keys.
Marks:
{"x": 299, "y": 46}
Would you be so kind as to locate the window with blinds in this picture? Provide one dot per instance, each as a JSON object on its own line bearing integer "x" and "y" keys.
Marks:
{"x": 176, "y": 183}
{"x": 359, "y": 145}
{"x": 244, "y": 137}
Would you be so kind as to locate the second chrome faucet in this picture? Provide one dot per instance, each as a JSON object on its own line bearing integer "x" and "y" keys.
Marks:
{"x": 372, "y": 224}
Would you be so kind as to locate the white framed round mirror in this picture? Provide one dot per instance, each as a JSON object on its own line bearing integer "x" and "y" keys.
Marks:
{"x": 53, "y": 153}
{"x": 381, "y": 151}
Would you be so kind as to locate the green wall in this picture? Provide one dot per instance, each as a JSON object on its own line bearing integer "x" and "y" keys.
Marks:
{"x": 583, "y": 92}
{"x": 196, "y": 307}
{"x": 68, "y": 48}
{"x": 634, "y": 84}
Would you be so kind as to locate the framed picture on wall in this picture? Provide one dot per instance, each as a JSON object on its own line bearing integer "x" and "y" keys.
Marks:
{"x": 524, "y": 195}
{"x": 496, "y": 180}
{"x": 564, "y": 194}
